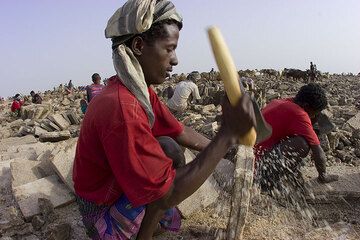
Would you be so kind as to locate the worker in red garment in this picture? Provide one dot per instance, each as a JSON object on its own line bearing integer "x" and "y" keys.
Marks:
{"x": 17, "y": 104}
{"x": 129, "y": 171}
{"x": 292, "y": 138}
{"x": 95, "y": 88}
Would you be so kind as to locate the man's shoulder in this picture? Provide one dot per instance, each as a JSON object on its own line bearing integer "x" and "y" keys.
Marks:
{"x": 283, "y": 107}
{"x": 283, "y": 103}
{"x": 187, "y": 83}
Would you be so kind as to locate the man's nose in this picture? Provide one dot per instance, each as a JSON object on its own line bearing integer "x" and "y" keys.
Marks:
{"x": 174, "y": 60}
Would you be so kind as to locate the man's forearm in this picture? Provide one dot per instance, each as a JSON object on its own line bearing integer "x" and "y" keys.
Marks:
{"x": 190, "y": 177}
{"x": 191, "y": 139}
{"x": 319, "y": 158}
{"x": 320, "y": 165}
{"x": 153, "y": 215}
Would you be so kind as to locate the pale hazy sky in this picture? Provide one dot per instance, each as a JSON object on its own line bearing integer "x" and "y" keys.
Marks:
{"x": 45, "y": 43}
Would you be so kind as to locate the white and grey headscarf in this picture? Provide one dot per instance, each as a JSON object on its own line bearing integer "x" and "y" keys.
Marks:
{"x": 135, "y": 17}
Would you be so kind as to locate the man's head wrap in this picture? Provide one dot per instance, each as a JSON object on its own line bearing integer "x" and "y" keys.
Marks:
{"x": 136, "y": 17}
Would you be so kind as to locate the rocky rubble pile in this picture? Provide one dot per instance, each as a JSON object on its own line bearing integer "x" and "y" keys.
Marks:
{"x": 339, "y": 133}
{"x": 57, "y": 119}
{"x": 33, "y": 182}
{"x": 37, "y": 151}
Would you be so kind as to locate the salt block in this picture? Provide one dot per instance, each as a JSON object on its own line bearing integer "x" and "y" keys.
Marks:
{"x": 16, "y": 141}
{"x": 50, "y": 187}
{"x": 55, "y": 136}
{"x": 5, "y": 173}
{"x": 206, "y": 195}
{"x": 347, "y": 187}
{"x": 59, "y": 120}
{"x": 63, "y": 165}
{"x": 24, "y": 171}
{"x": 354, "y": 122}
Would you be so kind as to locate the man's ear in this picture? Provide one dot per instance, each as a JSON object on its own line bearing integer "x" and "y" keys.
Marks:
{"x": 137, "y": 45}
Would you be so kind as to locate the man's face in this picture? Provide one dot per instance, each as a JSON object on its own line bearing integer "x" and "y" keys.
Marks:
{"x": 158, "y": 58}
{"x": 98, "y": 80}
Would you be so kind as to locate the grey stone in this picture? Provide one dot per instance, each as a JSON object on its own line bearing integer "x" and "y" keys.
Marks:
{"x": 60, "y": 121}
{"x": 333, "y": 138}
{"x": 27, "y": 195}
{"x": 344, "y": 139}
{"x": 63, "y": 165}
{"x": 25, "y": 130}
{"x": 324, "y": 122}
{"x": 357, "y": 152}
{"x": 45, "y": 125}
{"x": 356, "y": 134}
{"x": 5, "y": 173}
{"x": 28, "y": 154}
{"x": 348, "y": 185}
{"x": 206, "y": 195}
{"x": 49, "y": 125}
{"x": 39, "y": 112}
{"x": 208, "y": 108}
{"x": 39, "y": 130}
{"x": 66, "y": 102}
{"x": 16, "y": 141}
{"x": 24, "y": 171}
{"x": 47, "y": 210}
{"x": 73, "y": 117}
{"x": 354, "y": 122}
{"x": 17, "y": 123}
{"x": 54, "y": 136}
{"x": 65, "y": 116}
{"x": 60, "y": 232}
{"x": 203, "y": 197}
{"x": 271, "y": 95}
{"x": 37, "y": 222}
{"x": 212, "y": 127}
{"x": 342, "y": 101}
{"x": 283, "y": 87}
{"x": 54, "y": 126}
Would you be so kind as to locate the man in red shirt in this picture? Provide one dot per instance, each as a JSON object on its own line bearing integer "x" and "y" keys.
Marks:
{"x": 292, "y": 137}
{"x": 16, "y": 105}
{"x": 128, "y": 158}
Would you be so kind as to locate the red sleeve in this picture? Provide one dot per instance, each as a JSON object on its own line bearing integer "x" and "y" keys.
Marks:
{"x": 165, "y": 123}
{"x": 302, "y": 126}
{"x": 141, "y": 168}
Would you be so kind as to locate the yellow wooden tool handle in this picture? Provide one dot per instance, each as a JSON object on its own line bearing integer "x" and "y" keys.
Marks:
{"x": 229, "y": 76}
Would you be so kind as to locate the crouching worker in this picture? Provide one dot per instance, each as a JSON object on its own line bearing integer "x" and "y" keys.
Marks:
{"x": 292, "y": 138}
{"x": 16, "y": 105}
{"x": 129, "y": 171}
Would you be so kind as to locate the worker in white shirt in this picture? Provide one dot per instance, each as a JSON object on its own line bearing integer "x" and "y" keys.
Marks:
{"x": 185, "y": 91}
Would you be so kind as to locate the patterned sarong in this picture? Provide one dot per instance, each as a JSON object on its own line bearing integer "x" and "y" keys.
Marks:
{"x": 120, "y": 221}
